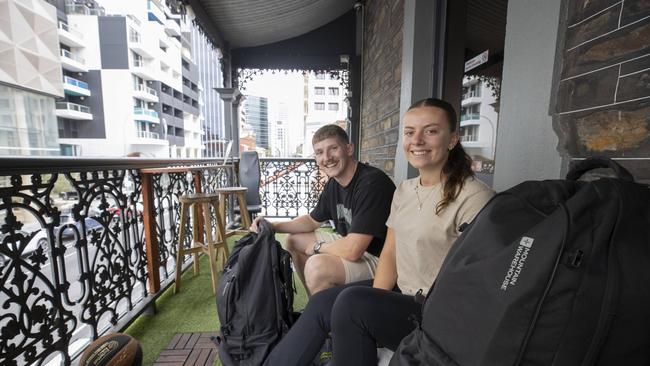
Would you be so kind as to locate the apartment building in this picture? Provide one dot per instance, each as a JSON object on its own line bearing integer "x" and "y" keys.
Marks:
{"x": 478, "y": 120}
{"x": 131, "y": 85}
{"x": 30, "y": 79}
{"x": 324, "y": 104}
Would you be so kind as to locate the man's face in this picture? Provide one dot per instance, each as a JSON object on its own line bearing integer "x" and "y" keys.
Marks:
{"x": 333, "y": 156}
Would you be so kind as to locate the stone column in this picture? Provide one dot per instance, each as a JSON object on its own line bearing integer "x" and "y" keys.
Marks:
{"x": 231, "y": 97}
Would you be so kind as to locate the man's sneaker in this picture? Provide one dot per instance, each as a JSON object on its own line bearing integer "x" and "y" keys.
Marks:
{"x": 324, "y": 356}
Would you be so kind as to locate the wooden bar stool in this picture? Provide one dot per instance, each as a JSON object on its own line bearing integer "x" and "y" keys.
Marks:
{"x": 211, "y": 246}
{"x": 240, "y": 194}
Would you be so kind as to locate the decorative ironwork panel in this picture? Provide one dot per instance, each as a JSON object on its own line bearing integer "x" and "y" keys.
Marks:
{"x": 70, "y": 269}
{"x": 289, "y": 187}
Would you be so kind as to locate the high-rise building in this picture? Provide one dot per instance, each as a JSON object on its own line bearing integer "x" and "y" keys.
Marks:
{"x": 478, "y": 120}
{"x": 207, "y": 59}
{"x": 324, "y": 104}
{"x": 279, "y": 130}
{"x": 257, "y": 116}
{"x": 30, "y": 79}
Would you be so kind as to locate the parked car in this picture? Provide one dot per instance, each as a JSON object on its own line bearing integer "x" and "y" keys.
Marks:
{"x": 38, "y": 241}
{"x": 92, "y": 225}
{"x": 69, "y": 195}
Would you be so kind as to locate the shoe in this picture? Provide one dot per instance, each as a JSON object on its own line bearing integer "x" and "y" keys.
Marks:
{"x": 324, "y": 356}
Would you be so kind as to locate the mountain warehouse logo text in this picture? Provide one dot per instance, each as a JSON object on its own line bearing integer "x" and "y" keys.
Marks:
{"x": 518, "y": 262}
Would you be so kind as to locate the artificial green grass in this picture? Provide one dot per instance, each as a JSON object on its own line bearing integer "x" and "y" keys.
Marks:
{"x": 192, "y": 310}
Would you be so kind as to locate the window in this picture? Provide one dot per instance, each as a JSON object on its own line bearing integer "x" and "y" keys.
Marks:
{"x": 320, "y": 76}
{"x": 334, "y": 91}
{"x": 333, "y": 106}
{"x": 319, "y": 106}
{"x": 319, "y": 90}
{"x": 469, "y": 133}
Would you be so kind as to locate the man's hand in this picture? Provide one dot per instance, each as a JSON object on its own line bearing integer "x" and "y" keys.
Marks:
{"x": 255, "y": 225}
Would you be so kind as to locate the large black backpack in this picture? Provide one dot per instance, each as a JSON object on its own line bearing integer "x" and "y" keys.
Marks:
{"x": 254, "y": 299}
{"x": 549, "y": 273}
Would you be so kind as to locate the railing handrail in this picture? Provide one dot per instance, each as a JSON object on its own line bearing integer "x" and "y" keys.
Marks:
{"x": 62, "y": 164}
{"x": 146, "y": 89}
{"x": 469, "y": 116}
{"x": 134, "y": 19}
{"x": 146, "y": 111}
{"x": 148, "y": 134}
{"x": 71, "y": 55}
{"x": 138, "y": 63}
{"x": 73, "y": 81}
{"x": 64, "y": 26}
{"x": 73, "y": 106}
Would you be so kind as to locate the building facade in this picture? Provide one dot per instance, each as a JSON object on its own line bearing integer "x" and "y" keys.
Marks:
{"x": 324, "y": 104}
{"x": 30, "y": 79}
{"x": 132, "y": 86}
{"x": 257, "y": 117}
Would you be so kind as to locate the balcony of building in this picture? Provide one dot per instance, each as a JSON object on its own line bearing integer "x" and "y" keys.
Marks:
{"x": 73, "y": 111}
{"x": 155, "y": 11}
{"x": 70, "y": 37}
{"x": 145, "y": 114}
{"x": 72, "y": 86}
{"x": 148, "y": 138}
{"x": 73, "y": 62}
{"x": 145, "y": 93}
{"x": 82, "y": 8}
{"x": 143, "y": 69}
{"x": 137, "y": 44}
{"x": 172, "y": 28}
{"x": 92, "y": 282}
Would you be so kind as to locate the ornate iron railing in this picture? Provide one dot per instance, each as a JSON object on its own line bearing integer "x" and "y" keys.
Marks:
{"x": 73, "y": 270}
{"x": 289, "y": 187}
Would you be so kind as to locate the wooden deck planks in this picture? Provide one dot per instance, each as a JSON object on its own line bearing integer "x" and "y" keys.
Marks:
{"x": 189, "y": 349}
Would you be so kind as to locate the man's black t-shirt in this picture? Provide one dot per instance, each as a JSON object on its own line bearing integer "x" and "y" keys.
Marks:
{"x": 361, "y": 207}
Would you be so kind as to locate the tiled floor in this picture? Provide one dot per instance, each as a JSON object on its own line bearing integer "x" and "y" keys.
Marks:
{"x": 187, "y": 349}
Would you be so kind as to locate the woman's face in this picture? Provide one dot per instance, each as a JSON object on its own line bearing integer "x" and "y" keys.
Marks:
{"x": 427, "y": 138}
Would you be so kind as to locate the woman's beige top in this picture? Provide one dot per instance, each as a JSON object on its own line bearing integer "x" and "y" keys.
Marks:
{"x": 422, "y": 238}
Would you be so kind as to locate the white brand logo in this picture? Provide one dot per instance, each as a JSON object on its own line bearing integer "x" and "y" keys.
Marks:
{"x": 518, "y": 262}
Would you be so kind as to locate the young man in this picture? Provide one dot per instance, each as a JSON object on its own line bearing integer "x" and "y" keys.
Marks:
{"x": 358, "y": 198}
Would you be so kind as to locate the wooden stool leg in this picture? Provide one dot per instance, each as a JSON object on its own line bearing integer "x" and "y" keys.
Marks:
{"x": 221, "y": 231}
{"x": 243, "y": 210}
{"x": 196, "y": 236}
{"x": 210, "y": 244}
{"x": 222, "y": 206}
{"x": 180, "y": 247}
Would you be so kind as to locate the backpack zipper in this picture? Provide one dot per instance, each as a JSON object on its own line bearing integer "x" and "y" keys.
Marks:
{"x": 610, "y": 298}
{"x": 549, "y": 283}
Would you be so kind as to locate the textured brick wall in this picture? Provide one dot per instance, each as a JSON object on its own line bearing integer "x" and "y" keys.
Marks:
{"x": 603, "y": 96}
{"x": 382, "y": 60}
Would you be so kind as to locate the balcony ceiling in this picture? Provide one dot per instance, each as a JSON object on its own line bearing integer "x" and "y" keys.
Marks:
{"x": 249, "y": 23}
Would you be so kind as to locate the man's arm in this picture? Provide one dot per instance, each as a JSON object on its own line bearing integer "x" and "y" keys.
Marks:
{"x": 386, "y": 273}
{"x": 350, "y": 247}
{"x": 301, "y": 224}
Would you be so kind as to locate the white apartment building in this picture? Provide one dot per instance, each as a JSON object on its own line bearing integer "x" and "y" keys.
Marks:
{"x": 132, "y": 88}
{"x": 324, "y": 104}
{"x": 478, "y": 120}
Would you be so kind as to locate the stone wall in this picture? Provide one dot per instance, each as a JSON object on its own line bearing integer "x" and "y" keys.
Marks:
{"x": 382, "y": 59}
{"x": 603, "y": 94}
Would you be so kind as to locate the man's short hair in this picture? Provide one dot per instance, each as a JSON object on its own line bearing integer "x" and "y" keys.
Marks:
{"x": 328, "y": 131}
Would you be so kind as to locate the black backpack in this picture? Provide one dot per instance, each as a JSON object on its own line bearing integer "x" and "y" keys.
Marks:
{"x": 254, "y": 298}
{"x": 549, "y": 273}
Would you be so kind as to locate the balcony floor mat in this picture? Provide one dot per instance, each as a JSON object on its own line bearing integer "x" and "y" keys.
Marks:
{"x": 187, "y": 349}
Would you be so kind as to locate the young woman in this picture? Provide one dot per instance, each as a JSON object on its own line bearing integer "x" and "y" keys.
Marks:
{"x": 423, "y": 224}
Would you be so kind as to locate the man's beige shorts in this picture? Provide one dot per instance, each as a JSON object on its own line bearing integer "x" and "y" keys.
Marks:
{"x": 363, "y": 269}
